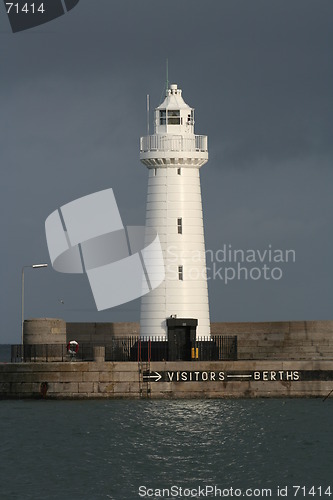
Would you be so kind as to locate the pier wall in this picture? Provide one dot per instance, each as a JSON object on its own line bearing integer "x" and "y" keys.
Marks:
{"x": 101, "y": 332}
{"x": 287, "y": 340}
{"x": 275, "y": 359}
{"x": 301, "y": 340}
{"x": 230, "y": 379}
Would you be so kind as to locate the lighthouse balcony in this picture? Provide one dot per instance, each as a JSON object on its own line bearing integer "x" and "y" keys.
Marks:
{"x": 160, "y": 150}
{"x": 173, "y": 143}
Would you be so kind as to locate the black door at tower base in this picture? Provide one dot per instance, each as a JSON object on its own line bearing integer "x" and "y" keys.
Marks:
{"x": 181, "y": 338}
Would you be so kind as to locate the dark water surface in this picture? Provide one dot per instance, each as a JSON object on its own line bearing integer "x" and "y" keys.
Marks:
{"x": 107, "y": 449}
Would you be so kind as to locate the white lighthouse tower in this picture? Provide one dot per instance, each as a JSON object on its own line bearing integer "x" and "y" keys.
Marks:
{"x": 174, "y": 155}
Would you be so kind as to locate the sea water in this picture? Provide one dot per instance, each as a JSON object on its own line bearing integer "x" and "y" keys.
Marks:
{"x": 131, "y": 449}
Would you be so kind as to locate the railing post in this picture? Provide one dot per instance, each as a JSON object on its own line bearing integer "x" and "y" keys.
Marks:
{"x": 139, "y": 350}
{"x": 99, "y": 353}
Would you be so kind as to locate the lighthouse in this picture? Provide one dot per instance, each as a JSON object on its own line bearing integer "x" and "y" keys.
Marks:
{"x": 174, "y": 155}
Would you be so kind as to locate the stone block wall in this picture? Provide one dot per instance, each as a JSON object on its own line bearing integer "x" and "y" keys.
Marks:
{"x": 232, "y": 379}
{"x": 101, "y": 332}
{"x": 44, "y": 331}
{"x": 295, "y": 340}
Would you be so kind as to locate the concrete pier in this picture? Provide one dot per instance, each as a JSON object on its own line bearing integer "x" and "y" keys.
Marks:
{"x": 285, "y": 340}
{"x": 232, "y": 379}
{"x": 276, "y": 359}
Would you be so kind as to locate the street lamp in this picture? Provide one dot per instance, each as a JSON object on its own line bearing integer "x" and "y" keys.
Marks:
{"x": 34, "y": 266}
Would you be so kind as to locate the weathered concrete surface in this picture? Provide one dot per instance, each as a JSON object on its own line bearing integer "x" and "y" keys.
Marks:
{"x": 101, "y": 332}
{"x": 128, "y": 380}
{"x": 44, "y": 331}
{"x": 99, "y": 354}
{"x": 298, "y": 340}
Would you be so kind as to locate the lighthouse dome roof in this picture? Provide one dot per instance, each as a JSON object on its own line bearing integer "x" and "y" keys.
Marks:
{"x": 173, "y": 99}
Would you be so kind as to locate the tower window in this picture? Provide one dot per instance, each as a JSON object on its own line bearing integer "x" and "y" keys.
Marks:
{"x": 173, "y": 117}
{"x": 180, "y": 273}
{"x": 179, "y": 171}
{"x": 190, "y": 118}
{"x": 180, "y": 226}
{"x": 162, "y": 116}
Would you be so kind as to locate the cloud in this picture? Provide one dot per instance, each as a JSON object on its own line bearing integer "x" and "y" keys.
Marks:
{"x": 73, "y": 99}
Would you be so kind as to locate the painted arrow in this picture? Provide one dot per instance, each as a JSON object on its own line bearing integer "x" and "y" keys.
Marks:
{"x": 152, "y": 376}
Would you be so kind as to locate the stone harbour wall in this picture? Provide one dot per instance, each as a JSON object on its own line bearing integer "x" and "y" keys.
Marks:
{"x": 44, "y": 331}
{"x": 299, "y": 340}
{"x": 101, "y": 332}
{"x": 195, "y": 379}
{"x": 295, "y": 340}
{"x": 275, "y": 359}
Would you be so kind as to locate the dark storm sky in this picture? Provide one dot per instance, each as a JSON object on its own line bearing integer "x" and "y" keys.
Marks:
{"x": 260, "y": 77}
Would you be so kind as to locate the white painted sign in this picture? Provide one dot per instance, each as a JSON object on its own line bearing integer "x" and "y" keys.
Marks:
{"x": 226, "y": 376}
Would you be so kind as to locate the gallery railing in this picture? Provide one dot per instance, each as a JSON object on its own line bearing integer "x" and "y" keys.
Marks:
{"x": 173, "y": 143}
{"x": 214, "y": 348}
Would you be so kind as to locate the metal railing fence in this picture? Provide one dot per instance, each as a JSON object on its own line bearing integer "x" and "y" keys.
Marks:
{"x": 173, "y": 143}
{"x": 215, "y": 348}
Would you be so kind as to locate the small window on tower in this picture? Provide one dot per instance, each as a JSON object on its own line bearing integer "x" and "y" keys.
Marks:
{"x": 180, "y": 273}
{"x": 162, "y": 116}
{"x": 180, "y": 226}
{"x": 190, "y": 118}
{"x": 173, "y": 117}
{"x": 179, "y": 171}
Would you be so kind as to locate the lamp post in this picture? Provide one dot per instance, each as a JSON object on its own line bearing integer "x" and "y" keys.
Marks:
{"x": 34, "y": 266}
